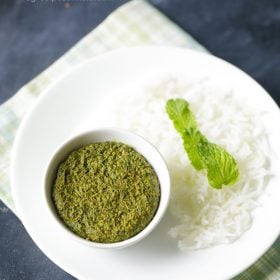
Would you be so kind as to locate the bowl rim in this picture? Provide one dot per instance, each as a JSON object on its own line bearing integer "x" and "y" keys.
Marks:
{"x": 164, "y": 190}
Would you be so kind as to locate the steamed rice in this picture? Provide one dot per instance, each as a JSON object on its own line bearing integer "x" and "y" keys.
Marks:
{"x": 205, "y": 216}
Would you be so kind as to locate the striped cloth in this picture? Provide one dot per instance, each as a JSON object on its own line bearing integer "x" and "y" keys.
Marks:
{"x": 133, "y": 24}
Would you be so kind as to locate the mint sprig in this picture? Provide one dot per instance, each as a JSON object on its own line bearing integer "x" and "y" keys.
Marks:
{"x": 220, "y": 166}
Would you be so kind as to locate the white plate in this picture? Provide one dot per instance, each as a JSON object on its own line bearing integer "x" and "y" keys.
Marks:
{"x": 59, "y": 112}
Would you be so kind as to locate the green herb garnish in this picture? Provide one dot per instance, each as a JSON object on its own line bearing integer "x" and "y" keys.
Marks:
{"x": 220, "y": 166}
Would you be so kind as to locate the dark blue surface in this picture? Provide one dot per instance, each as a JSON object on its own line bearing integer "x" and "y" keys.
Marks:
{"x": 33, "y": 35}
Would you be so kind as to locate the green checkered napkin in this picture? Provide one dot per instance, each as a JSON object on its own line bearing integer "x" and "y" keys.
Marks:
{"x": 133, "y": 24}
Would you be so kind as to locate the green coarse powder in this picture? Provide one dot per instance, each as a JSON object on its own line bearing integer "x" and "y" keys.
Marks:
{"x": 106, "y": 192}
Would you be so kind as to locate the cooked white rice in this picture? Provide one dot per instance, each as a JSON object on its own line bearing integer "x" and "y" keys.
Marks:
{"x": 205, "y": 216}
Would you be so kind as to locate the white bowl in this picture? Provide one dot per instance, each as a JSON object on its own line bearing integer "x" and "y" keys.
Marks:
{"x": 101, "y": 135}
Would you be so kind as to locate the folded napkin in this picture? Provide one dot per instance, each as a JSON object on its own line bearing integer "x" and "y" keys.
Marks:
{"x": 133, "y": 24}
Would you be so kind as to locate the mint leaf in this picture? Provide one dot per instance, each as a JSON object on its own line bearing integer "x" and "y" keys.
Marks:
{"x": 221, "y": 167}
{"x": 191, "y": 138}
{"x": 179, "y": 112}
{"x": 185, "y": 123}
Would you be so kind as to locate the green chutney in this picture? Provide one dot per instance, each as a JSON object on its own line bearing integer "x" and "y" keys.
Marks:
{"x": 106, "y": 192}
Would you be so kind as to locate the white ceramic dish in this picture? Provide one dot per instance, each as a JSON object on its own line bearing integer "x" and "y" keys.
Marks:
{"x": 60, "y": 111}
{"x": 101, "y": 135}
